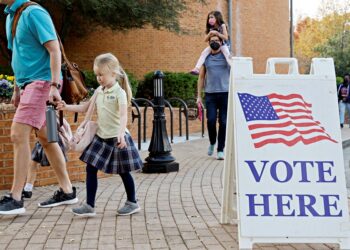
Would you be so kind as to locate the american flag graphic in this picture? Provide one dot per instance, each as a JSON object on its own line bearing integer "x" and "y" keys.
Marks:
{"x": 285, "y": 119}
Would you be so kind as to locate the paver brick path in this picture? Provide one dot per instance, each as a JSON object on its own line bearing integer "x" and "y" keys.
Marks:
{"x": 179, "y": 211}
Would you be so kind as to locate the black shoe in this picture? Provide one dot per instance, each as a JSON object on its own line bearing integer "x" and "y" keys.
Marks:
{"x": 60, "y": 198}
{"x": 8, "y": 205}
{"x": 27, "y": 194}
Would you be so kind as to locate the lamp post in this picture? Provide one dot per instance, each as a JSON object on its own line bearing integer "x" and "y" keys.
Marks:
{"x": 160, "y": 159}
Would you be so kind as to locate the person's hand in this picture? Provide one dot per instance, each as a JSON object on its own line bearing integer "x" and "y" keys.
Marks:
{"x": 15, "y": 98}
{"x": 61, "y": 105}
{"x": 54, "y": 95}
{"x": 121, "y": 141}
{"x": 214, "y": 33}
{"x": 199, "y": 100}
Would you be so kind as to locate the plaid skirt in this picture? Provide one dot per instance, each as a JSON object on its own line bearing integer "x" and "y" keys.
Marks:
{"x": 105, "y": 156}
{"x": 38, "y": 154}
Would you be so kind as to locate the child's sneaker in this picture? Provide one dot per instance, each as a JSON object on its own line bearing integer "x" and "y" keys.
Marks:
{"x": 194, "y": 72}
{"x": 84, "y": 210}
{"x": 211, "y": 150}
{"x": 220, "y": 155}
{"x": 129, "y": 208}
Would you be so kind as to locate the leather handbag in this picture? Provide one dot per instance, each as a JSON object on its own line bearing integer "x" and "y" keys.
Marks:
{"x": 73, "y": 89}
{"x": 86, "y": 130}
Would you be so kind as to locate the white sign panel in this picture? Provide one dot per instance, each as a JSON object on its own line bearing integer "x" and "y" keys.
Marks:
{"x": 288, "y": 155}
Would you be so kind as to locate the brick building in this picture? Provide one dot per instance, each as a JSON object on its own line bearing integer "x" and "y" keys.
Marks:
{"x": 260, "y": 30}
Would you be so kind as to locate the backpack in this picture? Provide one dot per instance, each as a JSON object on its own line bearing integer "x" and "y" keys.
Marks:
{"x": 74, "y": 89}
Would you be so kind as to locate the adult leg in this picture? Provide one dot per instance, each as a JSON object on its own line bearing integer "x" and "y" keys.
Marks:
{"x": 341, "y": 112}
{"x": 32, "y": 172}
{"x": 129, "y": 186}
{"x": 222, "y": 106}
{"x": 31, "y": 176}
{"x": 56, "y": 158}
{"x": 210, "y": 103}
{"x": 347, "y": 105}
{"x": 91, "y": 185}
{"x": 20, "y": 134}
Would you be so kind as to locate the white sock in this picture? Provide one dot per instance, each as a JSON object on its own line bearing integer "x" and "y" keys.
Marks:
{"x": 28, "y": 187}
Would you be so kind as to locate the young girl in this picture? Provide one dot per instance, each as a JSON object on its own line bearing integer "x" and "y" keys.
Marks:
{"x": 215, "y": 26}
{"x": 112, "y": 149}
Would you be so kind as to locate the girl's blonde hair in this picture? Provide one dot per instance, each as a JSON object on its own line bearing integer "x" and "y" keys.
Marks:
{"x": 109, "y": 63}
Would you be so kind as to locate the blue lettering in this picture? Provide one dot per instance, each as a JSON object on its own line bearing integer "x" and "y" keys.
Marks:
{"x": 322, "y": 171}
{"x": 257, "y": 176}
{"x": 252, "y": 204}
{"x": 288, "y": 168}
{"x": 280, "y": 204}
{"x": 303, "y": 168}
{"x": 303, "y": 205}
{"x": 327, "y": 205}
{"x": 290, "y": 205}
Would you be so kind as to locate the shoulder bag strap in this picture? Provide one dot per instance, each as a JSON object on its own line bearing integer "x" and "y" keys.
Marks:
{"x": 91, "y": 108}
{"x": 18, "y": 15}
{"x": 15, "y": 23}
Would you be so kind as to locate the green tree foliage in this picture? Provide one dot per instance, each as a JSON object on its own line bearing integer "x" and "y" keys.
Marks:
{"x": 337, "y": 47}
{"x": 326, "y": 36}
{"x": 81, "y": 16}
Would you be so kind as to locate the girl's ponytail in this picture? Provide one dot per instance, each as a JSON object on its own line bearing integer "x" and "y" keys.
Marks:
{"x": 124, "y": 84}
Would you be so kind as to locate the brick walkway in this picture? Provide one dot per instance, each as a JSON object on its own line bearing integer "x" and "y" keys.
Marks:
{"x": 179, "y": 211}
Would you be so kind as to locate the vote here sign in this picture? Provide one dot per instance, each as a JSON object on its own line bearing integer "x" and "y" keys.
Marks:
{"x": 289, "y": 162}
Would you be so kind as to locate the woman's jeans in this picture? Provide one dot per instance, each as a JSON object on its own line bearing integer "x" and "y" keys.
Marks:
{"x": 216, "y": 103}
{"x": 342, "y": 107}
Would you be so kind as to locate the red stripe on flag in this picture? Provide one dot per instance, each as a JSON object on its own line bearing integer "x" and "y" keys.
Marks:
{"x": 294, "y": 141}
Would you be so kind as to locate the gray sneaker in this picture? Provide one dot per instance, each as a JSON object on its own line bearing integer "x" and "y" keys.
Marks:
{"x": 129, "y": 208}
{"x": 84, "y": 210}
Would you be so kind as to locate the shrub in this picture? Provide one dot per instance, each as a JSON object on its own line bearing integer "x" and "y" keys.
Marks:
{"x": 91, "y": 82}
{"x": 182, "y": 85}
{"x": 339, "y": 80}
{"x": 6, "y": 87}
{"x": 6, "y": 70}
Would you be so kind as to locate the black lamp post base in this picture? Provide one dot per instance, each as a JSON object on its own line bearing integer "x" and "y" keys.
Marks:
{"x": 160, "y": 168}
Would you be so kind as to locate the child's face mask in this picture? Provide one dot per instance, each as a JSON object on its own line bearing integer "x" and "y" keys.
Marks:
{"x": 212, "y": 20}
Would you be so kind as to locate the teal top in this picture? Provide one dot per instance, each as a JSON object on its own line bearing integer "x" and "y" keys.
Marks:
{"x": 30, "y": 59}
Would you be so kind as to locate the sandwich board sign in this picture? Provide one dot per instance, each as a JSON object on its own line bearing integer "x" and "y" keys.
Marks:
{"x": 284, "y": 151}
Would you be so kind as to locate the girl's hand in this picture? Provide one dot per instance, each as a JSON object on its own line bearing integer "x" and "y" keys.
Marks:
{"x": 61, "y": 105}
{"x": 199, "y": 99}
{"x": 121, "y": 141}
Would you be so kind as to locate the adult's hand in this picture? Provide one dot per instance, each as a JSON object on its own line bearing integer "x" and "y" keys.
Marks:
{"x": 15, "y": 98}
{"x": 54, "y": 95}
